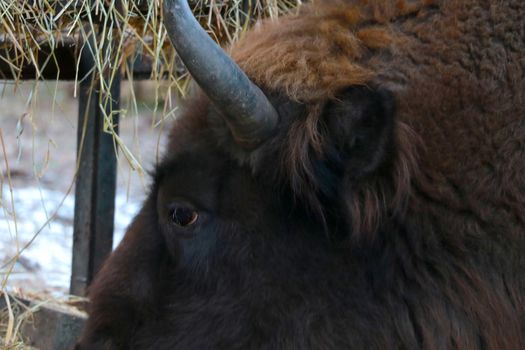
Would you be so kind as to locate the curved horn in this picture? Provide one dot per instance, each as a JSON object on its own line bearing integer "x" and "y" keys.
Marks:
{"x": 247, "y": 111}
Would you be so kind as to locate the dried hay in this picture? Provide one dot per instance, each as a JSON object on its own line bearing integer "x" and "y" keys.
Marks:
{"x": 17, "y": 314}
{"x": 124, "y": 29}
{"x": 114, "y": 33}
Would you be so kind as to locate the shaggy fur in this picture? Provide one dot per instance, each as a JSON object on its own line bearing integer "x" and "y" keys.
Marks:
{"x": 388, "y": 210}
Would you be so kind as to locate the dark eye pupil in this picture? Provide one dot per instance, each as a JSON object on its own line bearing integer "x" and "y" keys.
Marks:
{"x": 184, "y": 216}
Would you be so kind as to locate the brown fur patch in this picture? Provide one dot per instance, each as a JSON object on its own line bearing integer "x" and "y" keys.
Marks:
{"x": 322, "y": 50}
{"x": 380, "y": 196}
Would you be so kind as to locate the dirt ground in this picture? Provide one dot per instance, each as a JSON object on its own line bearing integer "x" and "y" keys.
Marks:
{"x": 38, "y": 127}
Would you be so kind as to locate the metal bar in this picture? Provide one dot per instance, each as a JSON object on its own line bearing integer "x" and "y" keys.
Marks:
{"x": 106, "y": 178}
{"x": 64, "y": 67}
{"x": 96, "y": 178}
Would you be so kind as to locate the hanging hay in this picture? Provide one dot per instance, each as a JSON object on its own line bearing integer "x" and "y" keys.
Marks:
{"x": 122, "y": 30}
{"x": 117, "y": 36}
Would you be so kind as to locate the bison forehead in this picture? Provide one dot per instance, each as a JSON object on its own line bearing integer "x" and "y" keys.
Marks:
{"x": 324, "y": 49}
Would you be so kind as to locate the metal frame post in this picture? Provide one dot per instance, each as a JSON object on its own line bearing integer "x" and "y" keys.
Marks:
{"x": 96, "y": 178}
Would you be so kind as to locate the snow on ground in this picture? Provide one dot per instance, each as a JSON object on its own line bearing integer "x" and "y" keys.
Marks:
{"x": 38, "y": 127}
{"x": 46, "y": 262}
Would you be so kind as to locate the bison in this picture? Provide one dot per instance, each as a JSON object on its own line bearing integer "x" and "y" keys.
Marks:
{"x": 352, "y": 177}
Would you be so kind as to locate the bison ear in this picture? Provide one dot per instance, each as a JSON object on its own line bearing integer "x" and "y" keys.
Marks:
{"x": 360, "y": 123}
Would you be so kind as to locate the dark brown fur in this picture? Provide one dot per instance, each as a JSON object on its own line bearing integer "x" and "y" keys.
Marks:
{"x": 388, "y": 211}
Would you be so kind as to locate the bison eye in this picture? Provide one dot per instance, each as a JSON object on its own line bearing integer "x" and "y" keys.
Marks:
{"x": 184, "y": 216}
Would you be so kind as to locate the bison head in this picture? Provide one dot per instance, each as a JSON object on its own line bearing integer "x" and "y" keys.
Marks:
{"x": 257, "y": 200}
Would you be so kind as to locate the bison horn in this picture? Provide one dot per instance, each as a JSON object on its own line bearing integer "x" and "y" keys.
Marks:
{"x": 247, "y": 111}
